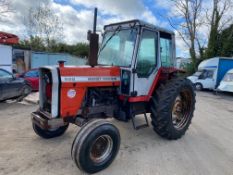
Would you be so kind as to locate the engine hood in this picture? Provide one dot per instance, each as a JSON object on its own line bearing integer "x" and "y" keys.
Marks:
{"x": 89, "y": 74}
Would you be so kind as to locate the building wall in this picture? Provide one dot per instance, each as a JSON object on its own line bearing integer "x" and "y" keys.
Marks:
{"x": 39, "y": 59}
{"x": 6, "y": 57}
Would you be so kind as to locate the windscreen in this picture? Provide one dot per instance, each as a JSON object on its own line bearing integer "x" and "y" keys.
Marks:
{"x": 197, "y": 74}
{"x": 117, "y": 48}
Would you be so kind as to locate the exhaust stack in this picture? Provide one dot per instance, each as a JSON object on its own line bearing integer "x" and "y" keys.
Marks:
{"x": 93, "y": 38}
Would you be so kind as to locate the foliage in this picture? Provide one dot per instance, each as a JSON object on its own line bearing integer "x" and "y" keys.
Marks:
{"x": 34, "y": 43}
{"x": 189, "y": 68}
{"x": 37, "y": 44}
{"x": 189, "y": 12}
{"x": 218, "y": 21}
{"x": 226, "y": 42}
{"x": 79, "y": 49}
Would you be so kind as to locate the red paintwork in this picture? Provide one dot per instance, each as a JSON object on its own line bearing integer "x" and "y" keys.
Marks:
{"x": 90, "y": 71}
{"x": 48, "y": 91}
{"x": 33, "y": 81}
{"x": 70, "y": 106}
{"x": 7, "y": 38}
{"x": 163, "y": 74}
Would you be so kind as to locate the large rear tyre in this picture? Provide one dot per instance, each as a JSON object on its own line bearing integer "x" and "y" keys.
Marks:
{"x": 95, "y": 146}
{"x": 172, "y": 108}
{"x": 50, "y": 133}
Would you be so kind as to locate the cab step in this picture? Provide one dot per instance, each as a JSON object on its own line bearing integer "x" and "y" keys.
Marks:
{"x": 137, "y": 127}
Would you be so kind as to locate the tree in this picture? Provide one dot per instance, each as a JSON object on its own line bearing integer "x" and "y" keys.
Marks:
{"x": 226, "y": 42}
{"x": 34, "y": 43}
{"x": 37, "y": 44}
{"x": 187, "y": 20}
{"x": 219, "y": 20}
{"x": 43, "y": 23}
{"x": 5, "y": 7}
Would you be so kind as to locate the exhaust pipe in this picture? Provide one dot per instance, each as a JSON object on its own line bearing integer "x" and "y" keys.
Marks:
{"x": 93, "y": 38}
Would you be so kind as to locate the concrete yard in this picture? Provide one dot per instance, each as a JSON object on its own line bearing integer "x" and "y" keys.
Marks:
{"x": 206, "y": 149}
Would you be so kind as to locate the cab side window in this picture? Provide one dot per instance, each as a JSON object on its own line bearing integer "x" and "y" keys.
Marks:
{"x": 147, "y": 53}
{"x": 166, "y": 50}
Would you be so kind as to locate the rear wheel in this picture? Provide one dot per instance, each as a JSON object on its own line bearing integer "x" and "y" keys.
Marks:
{"x": 95, "y": 146}
{"x": 172, "y": 108}
{"x": 49, "y": 133}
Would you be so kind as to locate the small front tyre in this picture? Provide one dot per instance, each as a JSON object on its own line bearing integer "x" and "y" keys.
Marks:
{"x": 95, "y": 146}
{"x": 49, "y": 133}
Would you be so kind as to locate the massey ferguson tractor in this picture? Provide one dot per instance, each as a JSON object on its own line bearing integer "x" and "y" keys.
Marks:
{"x": 131, "y": 75}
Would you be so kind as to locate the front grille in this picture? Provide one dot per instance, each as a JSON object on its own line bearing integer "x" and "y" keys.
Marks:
{"x": 45, "y": 89}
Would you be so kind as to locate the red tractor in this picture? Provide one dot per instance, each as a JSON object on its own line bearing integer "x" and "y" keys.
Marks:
{"x": 132, "y": 74}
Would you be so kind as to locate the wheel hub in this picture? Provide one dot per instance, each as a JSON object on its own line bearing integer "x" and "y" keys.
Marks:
{"x": 101, "y": 149}
{"x": 181, "y": 110}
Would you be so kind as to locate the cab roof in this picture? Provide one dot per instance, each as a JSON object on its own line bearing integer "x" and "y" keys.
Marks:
{"x": 134, "y": 23}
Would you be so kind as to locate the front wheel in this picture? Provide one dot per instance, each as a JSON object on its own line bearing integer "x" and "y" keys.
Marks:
{"x": 95, "y": 146}
{"x": 49, "y": 133}
{"x": 172, "y": 108}
{"x": 198, "y": 87}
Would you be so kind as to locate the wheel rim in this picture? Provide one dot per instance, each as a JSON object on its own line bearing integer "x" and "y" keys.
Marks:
{"x": 198, "y": 86}
{"x": 181, "y": 110}
{"x": 101, "y": 148}
{"x": 26, "y": 91}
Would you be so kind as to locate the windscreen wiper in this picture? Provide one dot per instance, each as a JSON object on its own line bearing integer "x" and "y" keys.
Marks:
{"x": 117, "y": 30}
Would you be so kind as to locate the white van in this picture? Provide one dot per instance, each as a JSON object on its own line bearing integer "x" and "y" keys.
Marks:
{"x": 211, "y": 72}
{"x": 227, "y": 82}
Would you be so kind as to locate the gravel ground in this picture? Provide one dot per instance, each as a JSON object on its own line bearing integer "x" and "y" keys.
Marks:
{"x": 206, "y": 149}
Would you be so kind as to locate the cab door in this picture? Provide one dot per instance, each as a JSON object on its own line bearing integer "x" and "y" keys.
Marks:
{"x": 146, "y": 62}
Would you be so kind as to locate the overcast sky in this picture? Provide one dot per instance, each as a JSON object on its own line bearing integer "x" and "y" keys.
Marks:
{"x": 77, "y": 16}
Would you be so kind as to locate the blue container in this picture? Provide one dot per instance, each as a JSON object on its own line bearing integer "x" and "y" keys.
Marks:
{"x": 39, "y": 59}
{"x": 223, "y": 66}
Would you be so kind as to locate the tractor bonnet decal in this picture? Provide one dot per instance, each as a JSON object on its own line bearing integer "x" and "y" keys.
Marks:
{"x": 67, "y": 79}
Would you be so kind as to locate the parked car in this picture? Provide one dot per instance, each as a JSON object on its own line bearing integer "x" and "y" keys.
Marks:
{"x": 32, "y": 77}
{"x": 12, "y": 87}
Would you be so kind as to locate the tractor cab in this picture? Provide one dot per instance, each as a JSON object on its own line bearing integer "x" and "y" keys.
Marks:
{"x": 140, "y": 50}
